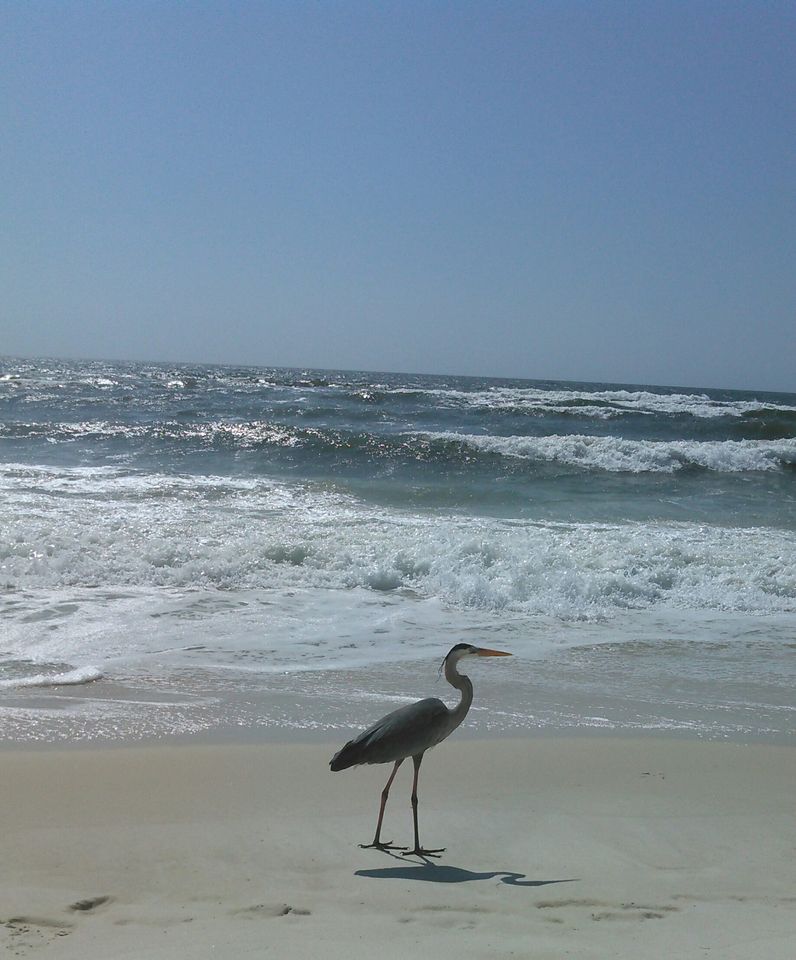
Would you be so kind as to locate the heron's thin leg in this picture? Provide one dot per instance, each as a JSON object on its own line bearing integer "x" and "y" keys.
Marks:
{"x": 419, "y": 851}
{"x": 384, "y": 794}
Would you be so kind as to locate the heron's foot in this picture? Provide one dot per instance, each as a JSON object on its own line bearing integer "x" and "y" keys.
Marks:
{"x": 378, "y": 845}
{"x": 421, "y": 852}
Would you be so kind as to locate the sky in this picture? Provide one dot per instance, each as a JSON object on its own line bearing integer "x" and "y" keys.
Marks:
{"x": 568, "y": 190}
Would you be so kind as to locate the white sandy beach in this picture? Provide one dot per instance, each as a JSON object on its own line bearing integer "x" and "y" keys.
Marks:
{"x": 582, "y": 848}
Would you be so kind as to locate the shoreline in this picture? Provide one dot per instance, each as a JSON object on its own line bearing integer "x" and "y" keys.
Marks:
{"x": 581, "y": 846}
{"x": 258, "y": 737}
{"x": 660, "y": 685}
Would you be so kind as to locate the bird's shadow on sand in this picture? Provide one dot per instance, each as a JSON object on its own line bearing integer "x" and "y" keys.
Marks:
{"x": 442, "y": 873}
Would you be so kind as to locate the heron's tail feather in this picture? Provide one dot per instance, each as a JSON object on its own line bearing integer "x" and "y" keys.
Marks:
{"x": 349, "y": 756}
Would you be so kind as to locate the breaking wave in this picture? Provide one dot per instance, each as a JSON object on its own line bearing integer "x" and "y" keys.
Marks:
{"x": 604, "y": 453}
{"x": 127, "y": 530}
{"x": 621, "y": 455}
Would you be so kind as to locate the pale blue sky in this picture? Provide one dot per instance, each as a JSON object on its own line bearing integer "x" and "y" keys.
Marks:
{"x": 598, "y": 191}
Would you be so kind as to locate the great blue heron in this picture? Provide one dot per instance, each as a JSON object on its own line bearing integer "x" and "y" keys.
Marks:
{"x": 409, "y": 732}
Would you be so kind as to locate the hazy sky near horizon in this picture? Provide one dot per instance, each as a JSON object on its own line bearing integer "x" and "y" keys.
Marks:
{"x": 595, "y": 191}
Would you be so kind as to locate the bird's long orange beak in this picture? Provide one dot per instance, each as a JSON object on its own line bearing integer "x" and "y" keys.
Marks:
{"x": 486, "y": 652}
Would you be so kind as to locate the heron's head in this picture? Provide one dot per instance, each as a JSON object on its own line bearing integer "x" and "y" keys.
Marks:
{"x": 462, "y": 650}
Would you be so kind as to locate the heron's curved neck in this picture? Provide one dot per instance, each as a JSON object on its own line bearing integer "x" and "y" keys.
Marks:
{"x": 458, "y": 680}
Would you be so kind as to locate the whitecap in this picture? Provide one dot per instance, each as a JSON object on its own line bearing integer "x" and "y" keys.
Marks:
{"x": 619, "y": 455}
{"x": 602, "y": 404}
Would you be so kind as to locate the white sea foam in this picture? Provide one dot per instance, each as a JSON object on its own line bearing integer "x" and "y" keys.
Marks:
{"x": 68, "y": 678}
{"x": 619, "y": 455}
{"x": 128, "y": 530}
{"x": 603, "y": 403}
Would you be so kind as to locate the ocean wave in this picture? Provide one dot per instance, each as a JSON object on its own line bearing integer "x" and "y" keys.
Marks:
{"x": 606, "y": 403}
{"x": 619, "y": 455}
{"x": 69, "y": 678}
{"x": 127, "y": 530}
{"x": 220, "y": 433}
{"x": 606, "y": 453}
{"x": 766, "y": 423}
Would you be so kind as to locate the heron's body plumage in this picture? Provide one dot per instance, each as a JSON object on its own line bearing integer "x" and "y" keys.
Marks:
{"x": 403, "y": 733}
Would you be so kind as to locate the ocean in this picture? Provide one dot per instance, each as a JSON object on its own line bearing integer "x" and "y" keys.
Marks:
{"x": 198, "y": 550}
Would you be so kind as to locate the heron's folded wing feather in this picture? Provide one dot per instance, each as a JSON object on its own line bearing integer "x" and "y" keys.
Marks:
{"x": 405, "y": 732}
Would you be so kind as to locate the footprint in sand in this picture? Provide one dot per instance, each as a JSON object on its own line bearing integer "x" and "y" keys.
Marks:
{"x": 268, "y": 910}
{"x": 610, "y": 911}
{"x": 31, "y": 933}
{"x": 445, "y": 915}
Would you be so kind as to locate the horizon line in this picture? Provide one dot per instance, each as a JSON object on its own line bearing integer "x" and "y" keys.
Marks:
{"x": 398, "y": 373}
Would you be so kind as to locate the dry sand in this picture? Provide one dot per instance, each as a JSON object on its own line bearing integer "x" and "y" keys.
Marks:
{"x": 588, "y": 848}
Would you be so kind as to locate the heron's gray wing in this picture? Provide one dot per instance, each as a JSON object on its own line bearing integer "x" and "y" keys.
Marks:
{"x": 403, "y": 733}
